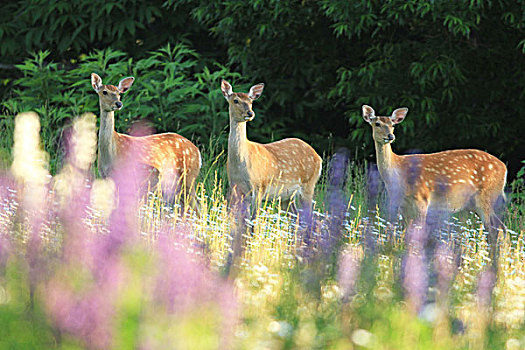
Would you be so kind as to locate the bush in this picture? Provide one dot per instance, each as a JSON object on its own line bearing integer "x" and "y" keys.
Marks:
{"x": 173, "y": 91}
{"x": 320, "y": 60}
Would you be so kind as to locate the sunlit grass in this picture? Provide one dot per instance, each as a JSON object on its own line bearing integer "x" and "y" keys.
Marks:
{"x": 290, "y": 295}
{"x": 271, "y": 262}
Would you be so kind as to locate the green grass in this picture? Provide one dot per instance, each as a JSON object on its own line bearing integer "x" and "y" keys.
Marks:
{"x": 289, "y": 295}
{"x": 292, "y": 303}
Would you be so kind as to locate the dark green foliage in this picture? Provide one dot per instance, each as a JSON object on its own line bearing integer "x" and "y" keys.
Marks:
{"x": 74, "y": 27}
{"x": 516, "y": 199}
{"x": 446, "y": 61}
{"x": 458, "y": 66}
{"x": 172, "y": 92}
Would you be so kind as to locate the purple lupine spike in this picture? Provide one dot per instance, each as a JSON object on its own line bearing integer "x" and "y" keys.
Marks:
{"x": 87, "y": 315}
{"x": 415, "y": 279}
{"x": 88, "y": 311}
{"x": 348, "y": 271}
{"x": 184, "y": 284}
{"x": 336, "y": 202}
{"x": 445, "y": 268}
{"x": 8, "y": 209}
{"x": 413, "y": 171}
{"x": 486, "y": 283}
{"x": 373, "y": 179}
{"x": 372, "y": 190}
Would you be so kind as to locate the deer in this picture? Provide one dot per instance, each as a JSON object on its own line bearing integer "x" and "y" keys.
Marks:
{"x": 285, "y": 169}
{"x": 449, "y": 181}
{"x": 177, "y": 160}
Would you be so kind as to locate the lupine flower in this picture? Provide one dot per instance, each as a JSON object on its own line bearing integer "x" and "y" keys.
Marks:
{"x": 445, "y": 269}
{"x": 348, "y": 271}
{"x": 82, "y": 298}
{"x": 336, "y": 202}
{"x": 486, "y": 282}
{"x": 185, "y": 284}
{"x": 29, "y": 169}
{"x": 415, "y": 269}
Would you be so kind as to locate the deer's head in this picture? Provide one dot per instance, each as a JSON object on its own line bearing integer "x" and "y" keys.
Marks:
{"x": 109, "y": 95}
{"x": 240, "y": 102}
{"x": 383, "y": 127}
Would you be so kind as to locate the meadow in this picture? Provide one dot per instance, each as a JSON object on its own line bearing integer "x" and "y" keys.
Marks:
{"x": 97, "y": 264}
{"x": 92, "y": 263}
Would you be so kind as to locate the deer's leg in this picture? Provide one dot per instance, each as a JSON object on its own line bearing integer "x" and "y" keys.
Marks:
{"x": 235, "y": 198}
{"x": 394, "y": 204}
{"x": 414, "y": 212}
{"x": 422, "y": 210}
{"x": 151, "y": 177}
{"x": 237, "y": 206}
{"x": 169, "y": 185}
{"x": 415, "y": 216}
{"x": 239, "y": 202}
{"x": 256, "y": 200}
{"x": 231, "y": 197}
{"x": 429, "y": 229}
{"x": 307, "y": 199}
{"x": 252, "y": 204}
{"x": 290, "y": 203}
{"x": 484, "y": 209}
{"x": 305, "y": 213}
{"x": 498, "y": 209}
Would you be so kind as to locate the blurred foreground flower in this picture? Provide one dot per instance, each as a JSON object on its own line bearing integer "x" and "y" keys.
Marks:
{"x": 415, "y": 278}
{"x": 349, "y": 262}
{"x": 103, "y": 282}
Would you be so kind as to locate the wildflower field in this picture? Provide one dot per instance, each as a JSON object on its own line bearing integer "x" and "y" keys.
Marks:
{"x": 87, "y": 263}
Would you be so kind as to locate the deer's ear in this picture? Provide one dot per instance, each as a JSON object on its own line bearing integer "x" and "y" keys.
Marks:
{"x": 256, "y": 91}
{"x": 226, "y": 89}
{"x": 399, "y": 115}
{"x": 368, "y": 113}
{"x": 96, "y": 82}
{"x": 125, "y": 84}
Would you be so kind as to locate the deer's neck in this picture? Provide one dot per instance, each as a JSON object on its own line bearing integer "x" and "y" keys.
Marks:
{"x": 387, "y": 163}
{"x": 107, "y": 143}
{"x": 237, "y": 141}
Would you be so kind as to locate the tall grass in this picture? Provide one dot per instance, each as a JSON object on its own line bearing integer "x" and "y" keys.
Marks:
{"x": 91, "y": 263}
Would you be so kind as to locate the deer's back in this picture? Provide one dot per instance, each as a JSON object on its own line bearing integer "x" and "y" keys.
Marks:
{"x": 281, "y": 166}
{"x": 167, "y": 152}
{"x": 296, "y": 160}
{"x": 450, "y": 174}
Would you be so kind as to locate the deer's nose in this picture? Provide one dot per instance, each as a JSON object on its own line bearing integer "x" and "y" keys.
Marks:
{"x": 250, "y": 114}
{"x": 391, "y": 137}
{"x": 118, "y": 104}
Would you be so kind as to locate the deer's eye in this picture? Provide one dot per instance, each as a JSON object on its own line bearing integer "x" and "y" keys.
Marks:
{"x": 105, "y": 92}
{"x": 377, "y": 124}
{"x": 235, "y": 101}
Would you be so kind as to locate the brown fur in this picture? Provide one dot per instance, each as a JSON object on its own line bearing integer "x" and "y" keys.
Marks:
{"x": 450, "y": 180}
{"x": 283, "y": 169}
{"x": 175, "y": 157}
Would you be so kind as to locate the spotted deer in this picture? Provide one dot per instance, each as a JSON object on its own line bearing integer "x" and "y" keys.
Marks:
{"x": 177, "y": 160}
{"x": 283, "y": 169}
{"x": 449, "y": 181}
